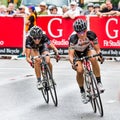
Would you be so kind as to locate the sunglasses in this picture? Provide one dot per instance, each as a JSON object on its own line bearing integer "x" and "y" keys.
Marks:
{"x": 37, "y": 38}
{"x": 82, "y": 32}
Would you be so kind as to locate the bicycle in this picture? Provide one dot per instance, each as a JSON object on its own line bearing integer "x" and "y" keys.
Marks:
{"x": 47, "y": 80}
{"x": 91, "y": 88}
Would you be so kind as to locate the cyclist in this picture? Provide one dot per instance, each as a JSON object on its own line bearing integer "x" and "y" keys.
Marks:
{"x": 37, "y": 43}
{"x": 83, "y": 43}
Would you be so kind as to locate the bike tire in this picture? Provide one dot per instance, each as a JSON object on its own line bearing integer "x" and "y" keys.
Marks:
{"x": 88, "y": 89}
{"x": 52, "y": 86}
{"x": 45, "y": 93}
{"x": 98, "y": 100}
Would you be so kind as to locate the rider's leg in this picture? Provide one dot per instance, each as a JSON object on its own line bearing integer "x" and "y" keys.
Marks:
{"x": 48, "y": 61}
{"x": 95, "y": 65}
{"x": 79, "y": 76}
{"x": 96, "y": 70}
{"x": 80, "y": 80}
{"x": 36, "y": 64}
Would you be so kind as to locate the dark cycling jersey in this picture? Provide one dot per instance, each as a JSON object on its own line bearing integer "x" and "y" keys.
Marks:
{"x": 84, "y": 45}
{"x": 42, "y": 46}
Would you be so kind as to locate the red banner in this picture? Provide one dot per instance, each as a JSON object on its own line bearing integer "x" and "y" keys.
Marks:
{"x": 107, "y": 30}
{"x": 57, "y": 28}
{"x": 11, "y": 35}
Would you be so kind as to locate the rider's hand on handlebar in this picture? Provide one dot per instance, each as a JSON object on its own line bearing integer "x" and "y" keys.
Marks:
{"x": 57, "y": 57}
{"x": 101, "y": 58}
{"x": 31, "y": 64}
{"x": 74, "y": 66}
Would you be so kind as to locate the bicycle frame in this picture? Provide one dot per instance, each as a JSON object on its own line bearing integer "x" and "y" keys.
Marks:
{"x": 86, "y": 65}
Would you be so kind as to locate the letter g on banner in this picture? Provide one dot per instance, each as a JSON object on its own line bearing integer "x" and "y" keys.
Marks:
{"x": 59, "y": 30}
{"x": 107, "y": 28}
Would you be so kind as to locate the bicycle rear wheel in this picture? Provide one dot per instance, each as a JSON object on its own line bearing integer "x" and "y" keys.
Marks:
{"x": 97, "y": 95}
{"x": 52, "y": 86}
{"x": 89, "y": 92}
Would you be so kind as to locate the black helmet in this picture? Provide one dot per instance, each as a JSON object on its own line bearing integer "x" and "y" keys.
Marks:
{"x": 80, "y": 25}
{"x": 36, "y": 32}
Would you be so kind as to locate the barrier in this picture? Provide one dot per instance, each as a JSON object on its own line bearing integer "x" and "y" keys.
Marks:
{"x": 11, "y": 35}
{"x": 108, "y": 32}
{"x": 58, "y": 30}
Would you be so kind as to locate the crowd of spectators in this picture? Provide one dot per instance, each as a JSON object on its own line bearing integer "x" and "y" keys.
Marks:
{"x": 71, "y": 11}
{"x": 30, "y": 14}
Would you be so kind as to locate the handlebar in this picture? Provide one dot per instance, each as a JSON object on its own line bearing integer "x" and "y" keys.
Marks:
{"x": 41, "y": 56}
{"x": 87, "y": 57}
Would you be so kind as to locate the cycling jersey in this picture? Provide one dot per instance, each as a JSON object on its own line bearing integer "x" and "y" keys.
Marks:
{"x": 42, "y": 46}
{"x": 82, "y": 46}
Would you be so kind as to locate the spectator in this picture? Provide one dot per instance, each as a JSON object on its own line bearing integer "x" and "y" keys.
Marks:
{"x": 3, "y": 10}
{"x": 32, "y": 17}
{"x": 11, "y": 9}
{"x": 65, "y": 8}
{"x": 53, "y": 10}
{"x": 90, "y": 9}
{"x": 21, "y": 12}
{"x": 30, "y": 22}
{"x": 50, "y": 9}
{"x": 96, "y": 8}
{"x": 73, "y": 11}
{"x": 43, "y": 9}
{"x": 102, "y": 6}
{"x": 108, "y": 10}
{"x": 109, "y": 6}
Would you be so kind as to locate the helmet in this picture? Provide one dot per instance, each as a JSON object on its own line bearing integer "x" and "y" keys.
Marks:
{"x": 80, "y": 25}
{"x": 36, "y": 32}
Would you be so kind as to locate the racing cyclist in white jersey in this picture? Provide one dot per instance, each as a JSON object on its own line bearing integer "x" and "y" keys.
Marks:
{"x": 84, "y": 43}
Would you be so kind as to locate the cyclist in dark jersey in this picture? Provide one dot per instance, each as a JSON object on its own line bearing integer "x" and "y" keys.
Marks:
{"x": 37, "y": 43}
{"x": 83, "y": 43}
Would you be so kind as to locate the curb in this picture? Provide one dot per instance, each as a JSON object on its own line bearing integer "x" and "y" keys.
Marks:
{"x": 63, "y": 57}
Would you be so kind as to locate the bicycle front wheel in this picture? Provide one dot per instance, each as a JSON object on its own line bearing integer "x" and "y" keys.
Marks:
{"x": 45, "y": 92}
{"x": 89, "y": 91}
{"x": 52, "y": 86}
{"x": 97, "y": 95}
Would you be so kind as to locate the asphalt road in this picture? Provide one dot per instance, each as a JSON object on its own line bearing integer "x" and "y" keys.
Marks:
{"x": 20, "y": 99}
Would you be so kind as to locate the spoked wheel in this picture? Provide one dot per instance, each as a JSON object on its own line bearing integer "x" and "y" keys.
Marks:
{"x": 45, "y": 92}
{"x": 89, "y": 92}
{"x": 52, "y": 87}
{"x": 98, "y": 101}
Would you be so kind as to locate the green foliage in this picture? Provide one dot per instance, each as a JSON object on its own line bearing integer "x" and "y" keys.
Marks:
{"x": 115, "y": 2}
{"x": 19, "y": 2}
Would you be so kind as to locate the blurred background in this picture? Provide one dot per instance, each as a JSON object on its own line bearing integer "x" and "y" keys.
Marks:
{"x": 81, "y": 3}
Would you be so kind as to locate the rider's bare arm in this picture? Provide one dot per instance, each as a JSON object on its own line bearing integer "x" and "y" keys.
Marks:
{"x": 28, "y": 53}
{"x": 97, "y": 48}
{"x": 71, "y": 54}
{"x": 54, "y": 48}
